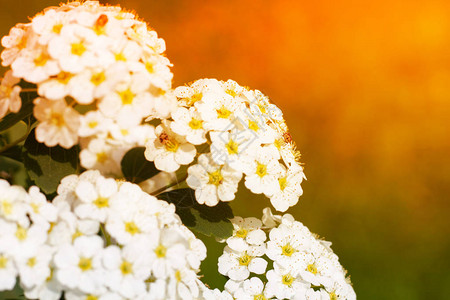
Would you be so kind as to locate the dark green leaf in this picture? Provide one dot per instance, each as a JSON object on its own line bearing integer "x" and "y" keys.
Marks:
{"x": 210, "y": 221}
{"x": 14, "y": 152}
{"x": 26, "y": 110}
{"x": 135, "y": 167}
{"x": 47, "y": 166}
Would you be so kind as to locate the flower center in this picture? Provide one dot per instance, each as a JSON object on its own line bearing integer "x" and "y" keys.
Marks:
{"x": 287, "y": 279}
{"x": 127, "y": 97}
{"x": 287, "y": 250}
{"x": 223, "y": 113}
{"x": 333, "y": 296}
{"x": 178, "y": 275}
{"x": 57, "y": 120}
{"x": 131, "y": 228}
{"x": 232, "y": 147}
{"x": 150, "y": 68}
{"x": 64, "y": 77}
{"x": 98, "y": 78}
{"x": 21, "y": 233}
{"x": 99, "y": 26}
{"x": 41, "y": 60}
{"x": 126, "y": 267}
{"x": 3, "y": 261}
{"x": 261, "y": 170}
{"x": 101, "y": 202}
{"x": 215, "y": 178}
{"x": 76, "y": 235}
{"x": 102, "y": 157}
{"x": 312, "y": 268}
{"x": 91, "y": 297}
{"x": 85, "y": 264}
{"x": 283, "y": 183}
{"x": 160, "y": 251}
{"x": 195, "y": 98}
{"x": 253, "y": 125}
{"x": 31, "y": 262}
{"x": 195, "y": 124}
{"x": 241, "y": 233}
{"x": 231, "y": 92}
{"x": 259, "y": 297}
{"x": 57, "y": 28}
{"x": 78, "y": 49}
{"x": 92, "y": 124}
{"x": 7, "y": 207}
{"x": 245, "y": 260}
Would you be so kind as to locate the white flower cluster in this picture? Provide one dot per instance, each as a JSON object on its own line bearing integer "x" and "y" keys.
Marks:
{"x": 304, "y": 267}
{"x": 98, "y": 72}
{"x": 99, "y": 239}
{"x": 232, "y": 131}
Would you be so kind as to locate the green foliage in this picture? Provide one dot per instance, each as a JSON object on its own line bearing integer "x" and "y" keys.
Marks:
{"x": 135, "y": 167}
{"x": 47, "y": 166}
{"x": 210, "y": 221}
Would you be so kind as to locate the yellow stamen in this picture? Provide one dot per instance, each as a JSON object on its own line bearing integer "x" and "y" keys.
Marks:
{"x": 78, "y": 49}
{"x": 287, "y": 279}
{"x": 261, "y": 170}
{"x": 64, "y": 77}
{"x": 101, "y": 202}
{"x": 98, "y": 78}
{"x": 178, "y": 275}
{"x": 126, "y": 267}
{"x": 232, "y": 147}
{"x": 3, "y": 261}
{"x": 160, "y": 251}
{"x": 7, "y": 207}
{"x": 31, "y": 262}
{"x": 57, "y": 120}
{"x": 85, "y": 264}
{"x": 223, "y": 113}
{"x": 245, "y": 260}
{"x": 283, "y": 183}
{"x": 195, "y": 124}
{"x": 102, "y": 157}
{"x": 231, "y": 92}
{"x": 241, "y": 233}
{"x": 131, "y": 228}
{"x": 57, "y": 28}
{"x": 92, "y": 124}
{"x": 127, "y": 97}
{"x": 21, "y": 233}
{"x": 215, "y": 178}
{"x": 312, "y": 268}
{"x": 252, "y": 125}
{"x": 287, "y": 250}
{"x": 120, "y": 57}
{"x": 41, "y": 60}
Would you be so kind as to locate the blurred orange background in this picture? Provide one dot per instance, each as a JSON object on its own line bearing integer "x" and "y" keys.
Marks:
{"x": 365, "y": 89}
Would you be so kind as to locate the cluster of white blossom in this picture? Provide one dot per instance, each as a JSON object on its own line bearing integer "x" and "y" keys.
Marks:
{"x": 303, "y": 266}
{"x": 98, "y": 72}
{"x": 227, "y": 131}
{"x": 99, "y": 239}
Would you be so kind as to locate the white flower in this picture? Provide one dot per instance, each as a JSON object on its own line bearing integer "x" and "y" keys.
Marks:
{"x": 94, "y": 83}
{"x": 41, "y": 211}
{"x": 12, "y": 203}
{"x": 284, "y": 283}
{"x": 56, "y": 87}
{"x": 183, "y": 284}
{"x": 14, "y": 43}
{"x": 169, "y": 150}
{"x": 25, "y": 241}
{"x": 97, "y": 295}
{"x": 9, "y": 94}
{"x": 74, "y": 48}
{"x": 102, "y": 156}
{"x": 232, "y": 148}
{"x": 129, "y": 99}
{"x": 8, "y": 272}
{"x": 218, "y": 109}
{"x": 166, "y": 251}
{"x": 79, "y": 265}
{"x": 287, "y": 245}
{"x": 58, "y": 123}
{"x": 212, "y": 182}
{"x": 262, "y": 170}
{"x": 129, "y": 216}
{"x": 286, "y": 193}
{"x": 316, "y": 269}
{"x": 251, "y": 289}
{"x": 238, "y": 265}
{"x": 125, "y": 271}
{"x": 35, "y": 268}
{"x": 94, "y": 123}
{"x": 94, "y": 198}
{"x": 35, "y": 65}
{"x": 246, "y": 232}
{"x": 188, "y": 123}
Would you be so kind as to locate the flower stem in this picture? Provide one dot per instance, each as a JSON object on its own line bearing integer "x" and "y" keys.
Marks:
{"x": 106, "y": 235}
{"x": 159, "y": 191}
{"x": 19, "y": 140}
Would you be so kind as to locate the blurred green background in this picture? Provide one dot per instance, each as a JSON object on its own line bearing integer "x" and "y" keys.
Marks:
{"x": 365, "y": 89}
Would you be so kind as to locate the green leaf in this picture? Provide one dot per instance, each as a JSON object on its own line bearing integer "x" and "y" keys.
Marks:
{"x": 47, "y": 166}
{"x": 210, "y": 221}
{"x": 26, "y": 110}
{"x": 14, "y": 152}
{"x": 135, "y": 167}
